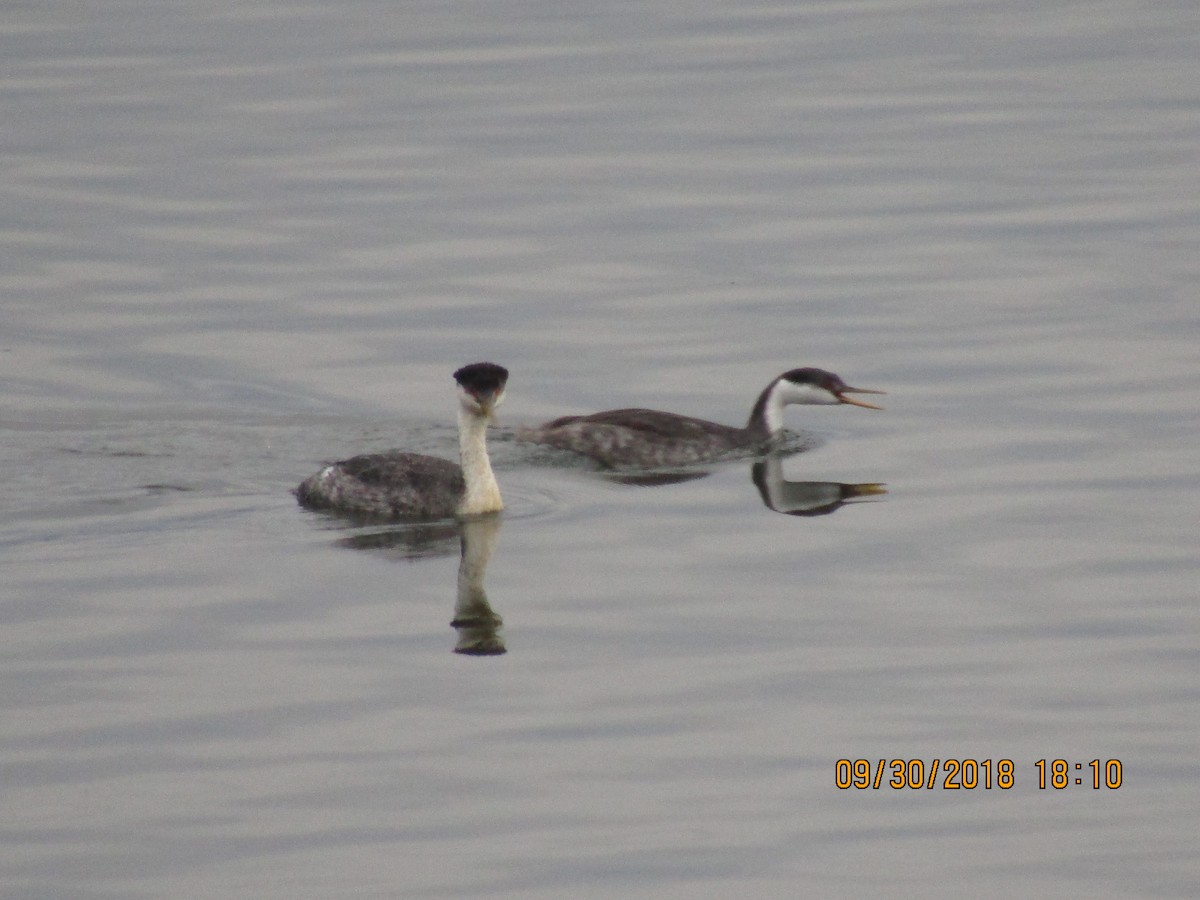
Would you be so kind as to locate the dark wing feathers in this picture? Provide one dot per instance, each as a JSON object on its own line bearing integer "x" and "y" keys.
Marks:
{"x": 653, "y": 424}
{"x": 398, "y": 468}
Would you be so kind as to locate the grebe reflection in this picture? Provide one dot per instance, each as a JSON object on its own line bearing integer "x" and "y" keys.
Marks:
{"x": 478, "y": 626}
{"x": 804, "y": 498}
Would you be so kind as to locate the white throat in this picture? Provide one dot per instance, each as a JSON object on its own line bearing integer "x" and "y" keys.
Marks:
{"x": 784, "y": 393}
{"x": 482, "y": 494}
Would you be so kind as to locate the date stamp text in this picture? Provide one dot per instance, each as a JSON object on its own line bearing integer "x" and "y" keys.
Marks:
{"x": 973, "y": 774}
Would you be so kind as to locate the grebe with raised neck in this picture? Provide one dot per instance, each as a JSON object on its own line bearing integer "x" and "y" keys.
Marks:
{"x": 397, "y": 485}
{"x": 647, "y": 438}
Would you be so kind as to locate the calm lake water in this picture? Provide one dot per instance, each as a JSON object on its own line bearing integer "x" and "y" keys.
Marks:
{"x": 239, "y": 239}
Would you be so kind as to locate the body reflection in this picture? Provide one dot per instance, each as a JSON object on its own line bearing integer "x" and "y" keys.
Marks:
{"x": 478, "y": 626}
{"x": 793, "y": 498}
{"x": 804, "y": 498}
{"x": 409, "y": 542}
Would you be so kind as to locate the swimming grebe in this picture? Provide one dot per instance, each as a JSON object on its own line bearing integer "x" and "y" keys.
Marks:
{"x": 397, "y": 485}
{"x": 646, "y": 438}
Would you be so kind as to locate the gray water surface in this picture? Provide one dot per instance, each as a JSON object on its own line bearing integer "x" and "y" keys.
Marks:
{"x": 240, "y": 239}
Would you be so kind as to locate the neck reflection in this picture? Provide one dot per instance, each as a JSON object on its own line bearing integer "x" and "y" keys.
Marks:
{"x": 804, "y": 498}
{"x": 477, "y": 624}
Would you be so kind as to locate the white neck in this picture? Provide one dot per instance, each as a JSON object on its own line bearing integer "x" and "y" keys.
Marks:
{"x": 482, "y": 494}
{"x": 784, "y": 393}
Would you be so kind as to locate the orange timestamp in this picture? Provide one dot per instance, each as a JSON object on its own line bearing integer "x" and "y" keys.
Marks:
{"x": 971, "y": 774}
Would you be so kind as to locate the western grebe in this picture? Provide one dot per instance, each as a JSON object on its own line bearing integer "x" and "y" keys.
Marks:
{"x": 398, "y": 485}
{"x": 646, "y": 438}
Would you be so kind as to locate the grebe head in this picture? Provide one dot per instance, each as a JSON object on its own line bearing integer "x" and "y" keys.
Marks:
{"x": 481, "y": 387}
{"x": 816, "y": 386}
